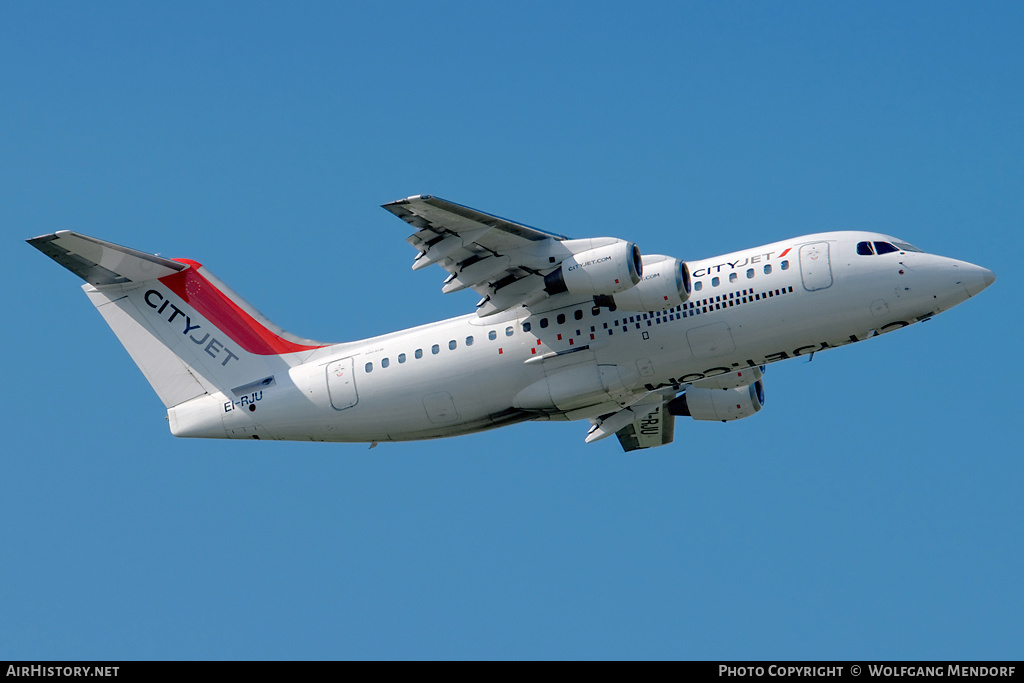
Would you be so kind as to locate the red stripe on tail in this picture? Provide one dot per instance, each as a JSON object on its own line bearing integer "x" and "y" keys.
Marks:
{"x": 215, "y": 306}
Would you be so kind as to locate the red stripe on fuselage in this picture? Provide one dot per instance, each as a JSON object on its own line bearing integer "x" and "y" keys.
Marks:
{"x": 215, "y": 306}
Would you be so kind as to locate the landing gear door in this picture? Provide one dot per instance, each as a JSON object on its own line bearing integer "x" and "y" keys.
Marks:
{"x": 341, "y": 384}
{"x": 814, "y": 266}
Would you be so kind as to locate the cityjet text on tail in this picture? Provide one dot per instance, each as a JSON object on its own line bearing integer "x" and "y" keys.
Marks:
{"x": 565, "y": 329}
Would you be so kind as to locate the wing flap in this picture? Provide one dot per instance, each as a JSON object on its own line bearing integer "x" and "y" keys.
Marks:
{"x": 518, "y": 292}
{"x": 502, "y": 260}
{"x": 448, "y": 246}
{"x": 477, "y": 273}
{"x": 645, "y": 423}
{"x": 653, "y": 426}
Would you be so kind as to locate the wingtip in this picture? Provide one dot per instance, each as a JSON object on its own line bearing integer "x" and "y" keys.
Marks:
{"x": 37, "y": 242}
{"x": 406, "y": 200}
{"x": 43, "y": 239}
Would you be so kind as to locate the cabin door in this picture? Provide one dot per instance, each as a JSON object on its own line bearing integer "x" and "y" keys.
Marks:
{"x": 814, "y": 266}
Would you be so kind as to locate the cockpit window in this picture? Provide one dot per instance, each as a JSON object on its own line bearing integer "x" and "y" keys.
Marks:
{"x": 866, "y": 249}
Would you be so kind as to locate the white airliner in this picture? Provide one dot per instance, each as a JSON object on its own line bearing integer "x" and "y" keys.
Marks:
{"x": 566, "y": 329}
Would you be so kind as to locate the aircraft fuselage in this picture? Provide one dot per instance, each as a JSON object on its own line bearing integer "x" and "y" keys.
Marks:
{"x": 746, "y": 309}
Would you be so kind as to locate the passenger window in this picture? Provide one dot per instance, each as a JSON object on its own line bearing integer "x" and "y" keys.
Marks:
{"x": 578, "y": 315}
{"x": 508, "y": 331}
{"x": 385, "y": 362}
{"x": 435, "y": 349}
{"x": 419, "y": 353}
{"x": 526, "y": 327}
{"x": 768, "y": 269}
{"x": 884, "y": 248}
{"x": 401, "y": 358}
{"x": 864, "y": 249}
{"x": 451, "y": 345}
{"x": 732, "y": 277}
{"x": 469, "y": 341}
{"x": 698, "y": 285}
{"x": 543, "y": 322}
{"x": 784, "y": 265}
{"x": 492, "y": 335}
{"x": 369, "y": 367}
{"x": 715, "y": 281}
{"x": 561, "y": 318}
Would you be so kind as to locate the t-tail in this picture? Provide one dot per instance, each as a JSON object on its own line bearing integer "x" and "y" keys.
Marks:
{"x": 192, "y": 337}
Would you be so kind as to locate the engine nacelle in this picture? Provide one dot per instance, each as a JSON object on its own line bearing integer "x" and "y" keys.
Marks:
{"x": 665, "y": 284}
{"x": 600, "y": 271}
{"x": 719, "y": 404}
{"x": 731, "y": 380}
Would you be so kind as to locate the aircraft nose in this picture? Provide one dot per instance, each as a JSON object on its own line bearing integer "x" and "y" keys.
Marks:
{"x": 975, "y": 278}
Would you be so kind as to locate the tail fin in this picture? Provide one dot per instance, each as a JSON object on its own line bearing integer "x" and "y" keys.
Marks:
{"x": 188, "y": 333}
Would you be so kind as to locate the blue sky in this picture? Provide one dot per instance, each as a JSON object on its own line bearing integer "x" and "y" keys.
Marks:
{"x": 872, "y": 510}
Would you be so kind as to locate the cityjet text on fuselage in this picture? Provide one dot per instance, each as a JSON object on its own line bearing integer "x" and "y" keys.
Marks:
{"x": 733, "y": 265}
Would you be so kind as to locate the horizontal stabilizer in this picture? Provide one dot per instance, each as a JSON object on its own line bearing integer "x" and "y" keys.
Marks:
{"x": 103, "y": 263}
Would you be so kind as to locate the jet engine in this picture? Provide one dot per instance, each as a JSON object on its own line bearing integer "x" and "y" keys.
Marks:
{"x": 605, "y": 270}
{"x": 665, "y": 284}
{"x": 731, "y": 380}
{"x": 719, "y": 404}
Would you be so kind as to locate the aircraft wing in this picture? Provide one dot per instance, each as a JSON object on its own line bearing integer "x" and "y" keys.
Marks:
{"x": 653, "y": 426}
{"x": 502, "y": 260}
